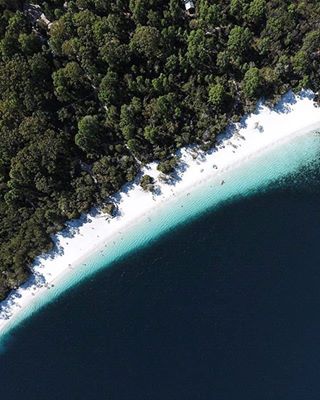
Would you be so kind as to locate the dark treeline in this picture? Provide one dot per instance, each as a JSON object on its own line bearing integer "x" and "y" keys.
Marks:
{"x": 111, "y": 83}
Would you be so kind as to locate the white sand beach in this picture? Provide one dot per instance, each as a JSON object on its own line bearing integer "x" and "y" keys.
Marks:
{"x": 260, "y": 132}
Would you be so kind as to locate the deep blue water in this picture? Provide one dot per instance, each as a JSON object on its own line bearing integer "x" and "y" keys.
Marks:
{"x": 226, "y": 307}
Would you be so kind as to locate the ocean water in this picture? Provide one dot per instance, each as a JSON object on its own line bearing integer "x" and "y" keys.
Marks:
{"x": 216, "y": 297}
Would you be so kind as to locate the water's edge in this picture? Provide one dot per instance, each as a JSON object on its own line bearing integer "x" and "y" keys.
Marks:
{"x": 254, "y": 175}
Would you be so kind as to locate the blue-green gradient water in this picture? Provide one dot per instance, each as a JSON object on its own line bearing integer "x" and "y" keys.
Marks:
{"x": 224, "y": 305}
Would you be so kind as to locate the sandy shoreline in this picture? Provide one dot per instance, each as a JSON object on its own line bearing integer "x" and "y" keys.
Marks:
{"x": 96, "y": 233}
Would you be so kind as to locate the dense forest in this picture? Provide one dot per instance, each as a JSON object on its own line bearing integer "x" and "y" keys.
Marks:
{"x": 92, "y": 89}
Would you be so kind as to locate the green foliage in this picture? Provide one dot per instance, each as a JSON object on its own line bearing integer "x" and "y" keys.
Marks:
{"x": 109, "y": 88}
{"x": 197, "y": 51}
{"x": 237, "y": 7}
{"x": 252, "y": 83}
{"x": 239, "y": 40}
{"x": 168, "y": 166}
{"x": 146, "y": 183}
{"x": 129, "y": 118}
{"x": 257, "y": 9}
{"x": 89, "y": 134}
{"x": 115, "y": 83}
{"x": 109, "y": 209}
{"x": 69, "y": 82}
{"x": 146, "y": 41}
{"x": 300, "y": 62}
{"x": 208, "y": 13}
{"x": 114, "y": 53}
{"x": 216, "y": 94}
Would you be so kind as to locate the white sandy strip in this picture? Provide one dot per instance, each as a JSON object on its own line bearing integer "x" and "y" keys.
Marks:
{"x": 260, "y": 133}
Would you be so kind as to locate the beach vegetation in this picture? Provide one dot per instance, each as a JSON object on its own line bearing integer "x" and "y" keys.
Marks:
{"x": 110, "y": 209}
{"x": 168, "y": 166}
{"x": 147, "y": 183}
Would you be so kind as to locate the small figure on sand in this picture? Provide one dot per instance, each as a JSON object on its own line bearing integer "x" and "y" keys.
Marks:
{"x": 222, "y": 182}
{"x": 259, "y": 127}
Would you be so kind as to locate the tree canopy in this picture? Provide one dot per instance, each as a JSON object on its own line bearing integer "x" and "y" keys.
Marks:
{"x": 99, "y": 87}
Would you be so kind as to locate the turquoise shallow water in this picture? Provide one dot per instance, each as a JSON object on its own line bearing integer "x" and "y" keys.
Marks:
{"x": 254, "y": 175}
{"x": 225, "y": 305}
